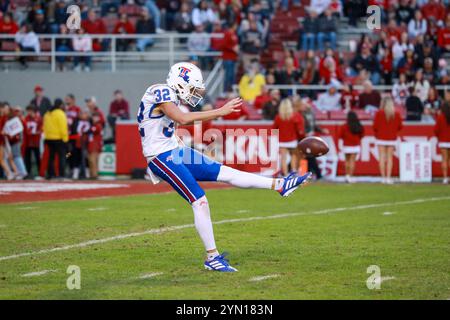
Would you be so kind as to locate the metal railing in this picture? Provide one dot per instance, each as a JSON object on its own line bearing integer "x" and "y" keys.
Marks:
{"x": 166, "y": 47}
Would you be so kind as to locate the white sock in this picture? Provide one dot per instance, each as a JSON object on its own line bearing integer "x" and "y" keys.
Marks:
{"x": 211, "y": 255}
{"x": 203, "y": 224}
{"x": 244, "y": 179}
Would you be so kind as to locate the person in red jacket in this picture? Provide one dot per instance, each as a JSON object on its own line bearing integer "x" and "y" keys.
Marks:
{"x": 349, "y": 97}
{"x": 7, "y": 24}
{"x": 351, "y": 134}
{"x": 95, "y": 144}
{"x": 123, "y": 26}
{"x": 230, "y": 52}
{"x": 291, "y": 129}
{"x": 262, "y": 99}
{"x": 434, "y": 10}
{"x": 33, "y": 133}
{"x": 386, "y": 126}
{"x": 442, "y": 132}
{"x": 94, "y": 25}
{"x": 444, "y": 36}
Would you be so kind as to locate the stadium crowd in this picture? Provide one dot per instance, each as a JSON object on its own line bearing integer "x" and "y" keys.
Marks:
{"x": 72, "y": 136}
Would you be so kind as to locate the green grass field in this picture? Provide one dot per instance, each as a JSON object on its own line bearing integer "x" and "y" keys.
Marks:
{"x": 317, "y": 244}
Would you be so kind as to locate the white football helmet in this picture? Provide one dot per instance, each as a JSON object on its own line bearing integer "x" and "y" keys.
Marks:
{"x": 187, "y": 81}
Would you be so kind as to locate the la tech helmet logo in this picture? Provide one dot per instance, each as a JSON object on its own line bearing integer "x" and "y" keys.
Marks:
{"x": 184, "y": 74}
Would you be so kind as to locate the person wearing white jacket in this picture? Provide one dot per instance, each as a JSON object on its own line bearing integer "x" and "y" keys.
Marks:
{"x": 331, "y": 99}
{"x": 82, "y": 43}
{"x": 28, "y": 41}
{"x": 203, "y": 15}
{"x": 417, "y": 26}
{"x": 400, "y": 90}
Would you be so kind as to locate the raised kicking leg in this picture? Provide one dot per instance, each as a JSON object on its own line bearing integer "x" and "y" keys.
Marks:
{"x": 284, "y": 186}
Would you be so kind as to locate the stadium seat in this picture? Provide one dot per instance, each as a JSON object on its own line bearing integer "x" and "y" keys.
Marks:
{"x": 320, "y": 115}
{"x": 46, "y": 45}
{"x": 402, "y": 110}
{"x": 22, "y": 3}
{"x": 338, "y": 115}
{"x": 8, "y": 46}
{"x": 362, "y": 115}
{"x": 130, "y": 10}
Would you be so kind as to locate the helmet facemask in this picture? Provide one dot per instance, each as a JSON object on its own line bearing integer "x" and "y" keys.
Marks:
{"x": 190, "y": 94}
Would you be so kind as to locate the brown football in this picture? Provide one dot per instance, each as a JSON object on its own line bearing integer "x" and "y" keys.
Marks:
{"x": 314, "y": 146}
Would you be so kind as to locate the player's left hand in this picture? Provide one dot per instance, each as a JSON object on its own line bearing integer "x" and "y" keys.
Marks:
{"x": 233, "y": 105}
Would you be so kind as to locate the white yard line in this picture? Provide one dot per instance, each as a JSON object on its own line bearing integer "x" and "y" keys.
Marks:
{"x": 387, "y": 278}
{"x": 383, "y": 279}
{"x": 261, "y": 278}
{"x": 242, "y": 211}
{"x": 191, "y": 225}
{"x": 26, "y": 208}
{"x": 388, "y": 213}
{"x": 150, "y": 275}
{"x": 97, "y": 209}
{"x": 38, "y": 273}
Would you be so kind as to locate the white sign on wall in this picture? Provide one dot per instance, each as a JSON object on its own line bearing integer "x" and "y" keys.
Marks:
{"x": 415, "y": 162}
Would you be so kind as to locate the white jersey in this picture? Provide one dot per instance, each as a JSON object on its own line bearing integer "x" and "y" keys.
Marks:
{"x": 156, "y": 129}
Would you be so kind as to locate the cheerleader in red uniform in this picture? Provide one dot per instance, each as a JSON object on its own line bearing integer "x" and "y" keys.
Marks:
{"x": 442, "y": 131}
{"x": 95, "y": 144}
{"x": 386, "y": 126}
{"x": 291, "y": 129}
{"x": 351, "y": 134}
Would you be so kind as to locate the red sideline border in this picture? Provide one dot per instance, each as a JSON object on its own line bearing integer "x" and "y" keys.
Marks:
{"x": 129, "y": 188}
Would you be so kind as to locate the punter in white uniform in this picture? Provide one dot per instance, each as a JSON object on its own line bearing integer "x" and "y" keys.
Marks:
{"x": 180, "y": 166}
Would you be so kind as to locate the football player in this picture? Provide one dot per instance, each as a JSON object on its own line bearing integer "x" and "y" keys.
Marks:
{"x": 180, "y": 166}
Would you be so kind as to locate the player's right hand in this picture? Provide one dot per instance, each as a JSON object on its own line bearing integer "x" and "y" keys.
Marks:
{"x": 233, "y": 105}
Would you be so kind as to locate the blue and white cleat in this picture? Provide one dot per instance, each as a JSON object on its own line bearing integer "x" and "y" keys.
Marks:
{"x": 292, "y": 182}
{"x": 219, "y": 263}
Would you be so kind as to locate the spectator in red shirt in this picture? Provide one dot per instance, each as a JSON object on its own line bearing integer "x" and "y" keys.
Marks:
{"x": 349, "y": 97}
{"x": 123, "y": 26}
{"x": 7, "y": 24}
{"x": 329, "y": 68}
{"x": 94, "y": 25}
{"x": 393, "y": 30}
{"x": 444, "y": 36}
{"x": 369, "y": 99}
{"x": 442, "y": 132}
{"x": 217, "y": 43}
{"x": 434, "y": 10}
{"x": 95, "y": 143}
{"x": 291, "y": 129}
{"x": 33, "y": 133}
{"x": 351, "y": 134}
{"x": 230, "y": 54}
{"x": 118, "y": 109}
{"x": 262, "y": 99}
{"x": 72, "y": 113}
{"x": 91, "y": 103}
{"x": 386, "y": 126}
